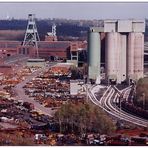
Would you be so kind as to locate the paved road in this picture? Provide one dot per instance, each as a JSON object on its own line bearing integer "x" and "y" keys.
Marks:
{"x": 15, "y": 59}
{"x": 107, "y": 103}
{"x": 22, "y": 96}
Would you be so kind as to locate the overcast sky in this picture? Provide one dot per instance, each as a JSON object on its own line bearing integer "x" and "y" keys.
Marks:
{"x": 75, "y": 10}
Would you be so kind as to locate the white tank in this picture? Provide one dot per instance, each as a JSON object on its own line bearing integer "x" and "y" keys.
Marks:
{"x": 94, "y": 49}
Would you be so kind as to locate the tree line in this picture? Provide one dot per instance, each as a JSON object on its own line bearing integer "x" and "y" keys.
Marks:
{"x": 82, "y": 118}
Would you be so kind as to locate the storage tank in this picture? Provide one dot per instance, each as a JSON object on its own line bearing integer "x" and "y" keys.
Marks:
{"x": 130, "y": 56}
{"x": 111, "y": 55}
{"x": 138, "y": 55}
{"x": 135, "y": 56}
{"x": 122, "y": 47}
{"x": 94, "y": 49}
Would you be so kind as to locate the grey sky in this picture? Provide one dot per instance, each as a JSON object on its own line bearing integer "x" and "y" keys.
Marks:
{"x": 75, "y": 10}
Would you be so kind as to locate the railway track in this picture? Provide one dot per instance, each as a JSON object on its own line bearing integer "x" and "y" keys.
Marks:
{"x": 108, "y": 103}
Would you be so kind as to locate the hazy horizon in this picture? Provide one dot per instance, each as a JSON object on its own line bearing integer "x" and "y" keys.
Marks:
{"x": 74, "y": 10}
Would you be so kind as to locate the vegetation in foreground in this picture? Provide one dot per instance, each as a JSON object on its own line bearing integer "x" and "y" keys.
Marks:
{"x": 141, "y": 98}
{"x": 83, "y": 118}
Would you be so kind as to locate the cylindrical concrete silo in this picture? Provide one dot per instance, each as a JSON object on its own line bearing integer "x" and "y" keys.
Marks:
{"x": 122, "y": 47}
{"x": 138, "y": 55}
{"x": 130, "y": 56}
{"x": 111, "y": 55}
{"x": 135, "y": 58}
{"x": 94, "y": 49}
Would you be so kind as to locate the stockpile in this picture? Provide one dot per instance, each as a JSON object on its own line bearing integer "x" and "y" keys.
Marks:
{"x": 51, "y": 90}
{"x": 20, "y": 114}
{"x": 59, "y": 70}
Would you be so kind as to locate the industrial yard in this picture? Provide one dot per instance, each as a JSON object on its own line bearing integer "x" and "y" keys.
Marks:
{"x": 73, "y": 82}
{"x": 50, "y": 90}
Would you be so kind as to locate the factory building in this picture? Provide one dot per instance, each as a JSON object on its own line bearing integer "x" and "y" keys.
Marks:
{"x": 124, "y": 51}
{"x": 49, "y": 50}
{"x": 52, "y": 50}
{"x": 9, "y": 48}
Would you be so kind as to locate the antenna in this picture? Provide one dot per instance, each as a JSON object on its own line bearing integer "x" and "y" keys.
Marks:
{"x": 31, "y": 36}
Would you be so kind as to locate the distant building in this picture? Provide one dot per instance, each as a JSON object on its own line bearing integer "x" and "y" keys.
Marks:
{"x": 9, "y": 48}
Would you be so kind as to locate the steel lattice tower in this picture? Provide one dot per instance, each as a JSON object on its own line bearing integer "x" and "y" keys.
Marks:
{"x": 31, "y": 36}
{"x": 54, "y": 30}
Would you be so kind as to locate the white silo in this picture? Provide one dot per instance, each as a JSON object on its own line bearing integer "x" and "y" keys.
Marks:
{"x": 130, "y": 56}
{"x": 138, "y": 55}
{"x": 94, "y": 49}
{"x": 135, "y": 56}
{"x": 111, "y": 55}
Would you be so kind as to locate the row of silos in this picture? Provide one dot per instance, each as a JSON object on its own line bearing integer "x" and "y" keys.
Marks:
{"x": 115, "y": 60}
{"x": 124, "y": 50}
{"x": 124, "y": 56}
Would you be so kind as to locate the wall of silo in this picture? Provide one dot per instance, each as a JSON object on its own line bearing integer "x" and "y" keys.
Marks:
{"x": 122, "y": 47}
{"x": 130, "y": 56}
{"x": 138, "y": 55}
{"x": 111, "y": 55}
{"x": 94, "y": 48}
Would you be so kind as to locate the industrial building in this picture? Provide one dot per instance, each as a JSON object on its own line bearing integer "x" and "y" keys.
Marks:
{"x": 9, "y": 48}
{"x": 51, "y": 49}
{"x": 48, "y": 50}
{"x": 124, "y": 50}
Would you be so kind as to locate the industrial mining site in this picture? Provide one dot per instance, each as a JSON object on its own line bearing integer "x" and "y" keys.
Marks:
{"x": 78, "y": 92}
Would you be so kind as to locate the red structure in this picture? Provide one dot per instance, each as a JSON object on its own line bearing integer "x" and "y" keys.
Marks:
{"x": 46, "y": 49}
{"x": 8, "y": 48}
